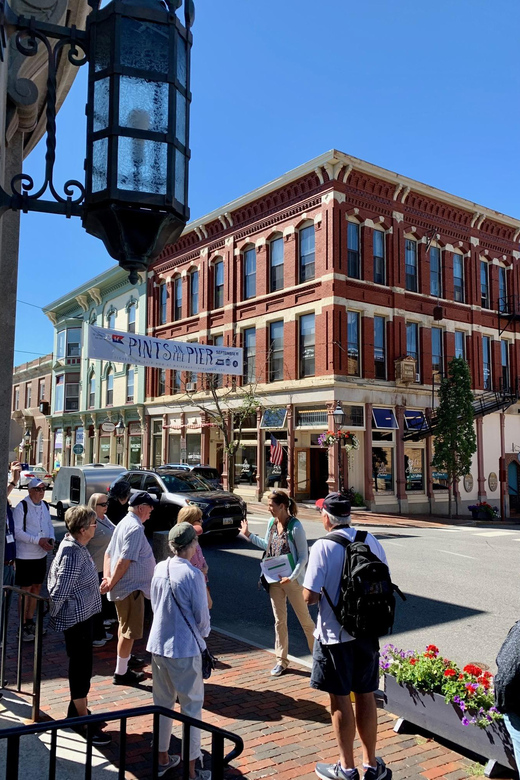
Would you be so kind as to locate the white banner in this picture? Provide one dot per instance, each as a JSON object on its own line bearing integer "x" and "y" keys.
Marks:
{"x": 121, "y": 347}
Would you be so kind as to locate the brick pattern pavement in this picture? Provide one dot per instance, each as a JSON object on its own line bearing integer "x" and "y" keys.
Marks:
{"x": 284, "y": 723}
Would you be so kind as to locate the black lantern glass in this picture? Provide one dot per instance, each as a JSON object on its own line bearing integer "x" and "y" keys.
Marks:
{"x": 138, "y": 128}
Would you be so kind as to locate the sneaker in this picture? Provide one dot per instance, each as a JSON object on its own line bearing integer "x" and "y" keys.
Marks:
{"x": 173, "y": 761}
{"x": 27, "y": 634}
{"x": 129, "y": 678}
{"x": 335, "y": 772}
{"x": 102, "y": 642}
{"x": 100, "y": 738}
{"x": 136, "y": 663}
{"x": 202, "y": 774}
{"x": 108, "y": 623}
{"x": 277, "y": 670}
{"x": 379, "y": 772}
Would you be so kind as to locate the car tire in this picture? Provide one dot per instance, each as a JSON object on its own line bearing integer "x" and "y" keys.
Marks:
{"x": 60, "y": 511}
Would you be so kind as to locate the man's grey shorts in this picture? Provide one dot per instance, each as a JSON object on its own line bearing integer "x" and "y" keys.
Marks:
{"x": 345, "y": 667}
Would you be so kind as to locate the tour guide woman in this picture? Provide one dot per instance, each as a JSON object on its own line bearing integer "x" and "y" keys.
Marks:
{"x": 285, "y": 535}
{"x": 74, "y": 590}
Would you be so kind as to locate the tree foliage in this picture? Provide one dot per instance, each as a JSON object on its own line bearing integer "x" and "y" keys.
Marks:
{"x": 455, "y": 438}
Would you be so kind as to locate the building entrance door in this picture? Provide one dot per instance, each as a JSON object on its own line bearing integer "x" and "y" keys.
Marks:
{"x": 319, "y": 472}
{"x": 513, "y": 486}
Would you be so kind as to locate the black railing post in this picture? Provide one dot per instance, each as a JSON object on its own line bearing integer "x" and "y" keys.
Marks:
{"x": 6, "y": 603}
{"x": 155, "y": 749}
{"x": 52, "y": 756}
{"x": 21, "y": 605}
{"x": 12, "y": 758}
{"x": 88, "y": 756}
{"x": 217, "y": 756}
{"x": 186, "y": 730}
{"x": 122, "y": 750}
{"x": 37, "y": 661}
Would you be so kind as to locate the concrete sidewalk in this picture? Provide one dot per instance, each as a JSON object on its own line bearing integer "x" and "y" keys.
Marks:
{"x": 284, "y": 723}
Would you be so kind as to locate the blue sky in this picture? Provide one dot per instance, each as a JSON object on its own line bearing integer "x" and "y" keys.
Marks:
{"x": 429, "y": 90}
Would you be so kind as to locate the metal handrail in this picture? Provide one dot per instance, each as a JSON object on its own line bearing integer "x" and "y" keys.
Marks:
{"x": 41, "y": 608}
{"x": 218, "y": 759}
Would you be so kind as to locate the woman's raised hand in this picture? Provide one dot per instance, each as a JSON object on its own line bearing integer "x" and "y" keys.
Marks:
{"x": 244, "y": 528}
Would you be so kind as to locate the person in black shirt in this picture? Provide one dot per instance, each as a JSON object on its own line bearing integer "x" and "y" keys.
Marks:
{"x": 118, "y": 496}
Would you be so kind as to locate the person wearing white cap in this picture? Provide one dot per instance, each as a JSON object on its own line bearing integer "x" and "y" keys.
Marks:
{"x": 34, "y": 536}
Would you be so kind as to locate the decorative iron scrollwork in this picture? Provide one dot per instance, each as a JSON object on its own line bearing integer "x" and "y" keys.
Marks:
{"x": 22, "y": 185}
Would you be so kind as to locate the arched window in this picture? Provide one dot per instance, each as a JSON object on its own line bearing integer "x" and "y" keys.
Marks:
{"x": 218, "y": 295}
{"x": 111, "y": 319}
{"x": 276, "y": 264}
{"x": 194, "y": 293}
{"x": 39, "y": 447}
{"x": 306, "y": 248}
{"x": 131, "y": 318}
{"x": 249, "y": 273}
{"x": 130, "y": 380}
{"x": 110, "y": 387}
{"x": 92, "y": 390}
{"x": 177, "y": 298}
{"x": 163, "y": 304}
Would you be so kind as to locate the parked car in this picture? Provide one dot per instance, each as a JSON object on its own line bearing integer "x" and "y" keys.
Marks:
{"x": 208, "y": 473}
{"x": 34, "y": 471}
{"x": 75, "y": 484}
{"x": 222, "y": 512}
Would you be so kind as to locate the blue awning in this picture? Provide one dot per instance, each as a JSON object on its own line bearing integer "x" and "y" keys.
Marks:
{"x": 384, "y": 418}
{"x": 415, "y": 420}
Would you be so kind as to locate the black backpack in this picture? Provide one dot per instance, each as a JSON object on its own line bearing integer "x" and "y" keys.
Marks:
{"x": 366, "y": 605}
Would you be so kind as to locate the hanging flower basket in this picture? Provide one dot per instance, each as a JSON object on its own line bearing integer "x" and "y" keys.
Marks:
{"x": 348, "y": 439}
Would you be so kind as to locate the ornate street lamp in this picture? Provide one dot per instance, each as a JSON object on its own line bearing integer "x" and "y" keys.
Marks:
{"x": 135, "y": 197}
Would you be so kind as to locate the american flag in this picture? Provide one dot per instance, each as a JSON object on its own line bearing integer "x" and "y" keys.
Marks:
{"x": 276, "y": 453}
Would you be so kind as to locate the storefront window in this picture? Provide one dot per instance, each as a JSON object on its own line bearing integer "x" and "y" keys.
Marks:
{"x": 104, "y": 449}
{"x": 193, "y": 448}
{"x": 58, "y": 447}
{"x": 276, "y": 473}
{"x": 414, "y": 469}
{"x": 174, "y": 448}
{"x": 156, "y": 443}
{"x": 134, "y": 444}
{"x": 383, "y": 469}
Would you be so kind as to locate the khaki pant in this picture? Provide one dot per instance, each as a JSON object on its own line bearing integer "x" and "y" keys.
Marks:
{"x": 279, "y": 594}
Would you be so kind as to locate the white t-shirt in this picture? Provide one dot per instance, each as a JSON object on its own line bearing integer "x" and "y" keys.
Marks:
{"x": 324, "y": 571}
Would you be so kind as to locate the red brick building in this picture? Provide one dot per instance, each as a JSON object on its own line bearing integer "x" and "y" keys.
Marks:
{"x": 345, "y": 284}
{"x": 30, "y": 403}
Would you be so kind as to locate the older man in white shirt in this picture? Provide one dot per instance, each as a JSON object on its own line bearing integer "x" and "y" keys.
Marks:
{"x": 34, "y": 536}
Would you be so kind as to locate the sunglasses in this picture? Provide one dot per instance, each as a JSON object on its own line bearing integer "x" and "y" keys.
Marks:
{"x": 102, "y": 503}
{"x": 42, "y": 489}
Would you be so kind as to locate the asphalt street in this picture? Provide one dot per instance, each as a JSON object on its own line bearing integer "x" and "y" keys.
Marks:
{"x": 461, "y": 584}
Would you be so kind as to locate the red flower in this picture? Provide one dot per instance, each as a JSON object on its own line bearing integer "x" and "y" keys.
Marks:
{"x": 484, "y": 681}
{"x": 450, "y": 673}
{"x": 432, "y": 649}
{"x": 413, "y": 661}
{"x": 476, "y": 671}
{"x": 461, "y": 676}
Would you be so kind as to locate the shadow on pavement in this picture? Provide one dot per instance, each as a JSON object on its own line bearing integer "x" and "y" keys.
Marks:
{"x": 262, "y": 705}
{"x": 420, "y": 612}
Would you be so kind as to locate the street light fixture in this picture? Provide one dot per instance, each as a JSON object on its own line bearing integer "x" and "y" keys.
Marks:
{"x": 339, "y": 417}
{"x": 120, "y": 428}
{"x": 135, "y": 196}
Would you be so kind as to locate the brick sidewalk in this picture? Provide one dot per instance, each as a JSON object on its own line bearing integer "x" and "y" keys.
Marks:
{"x": 284, "y": 723}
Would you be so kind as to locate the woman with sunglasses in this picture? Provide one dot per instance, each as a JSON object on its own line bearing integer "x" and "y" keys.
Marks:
{"x": 97, "y": 547}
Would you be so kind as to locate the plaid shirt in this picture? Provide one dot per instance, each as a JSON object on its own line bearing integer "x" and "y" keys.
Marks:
{"x": 73, "y": 585}
{"x": 129, "y": 543}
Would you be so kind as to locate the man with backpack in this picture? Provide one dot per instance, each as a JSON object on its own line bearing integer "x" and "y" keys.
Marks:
{"x": 348, "y": 577}
{"x": 34, "y": 536}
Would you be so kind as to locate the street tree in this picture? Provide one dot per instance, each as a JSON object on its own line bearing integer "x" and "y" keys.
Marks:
{"x": 455, "y": 438}
{"x": 228, "y": 409}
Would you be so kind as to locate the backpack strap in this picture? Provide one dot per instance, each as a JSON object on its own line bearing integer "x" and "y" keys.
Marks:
{"x": 361, "y": 536}
{"x": 24, "y": 503}
{"x": 340, "y": 539}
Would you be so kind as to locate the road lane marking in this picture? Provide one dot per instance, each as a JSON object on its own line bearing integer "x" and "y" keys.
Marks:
{"x": 395, "y": 544}
{"x": 459, "y": 555}
{"x": 495, "y": 533}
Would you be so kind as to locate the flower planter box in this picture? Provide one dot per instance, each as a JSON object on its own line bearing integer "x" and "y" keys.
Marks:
{"x": 429, "y": 711}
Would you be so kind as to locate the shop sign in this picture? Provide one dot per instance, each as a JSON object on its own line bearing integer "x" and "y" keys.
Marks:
{"x": 78, "y": 449}
{"x": 80, "y": 434}
{"x": 123, "y": 347}
{"x": 468, "y": 483}
{"x": 134, "y": 429}
{"x": 108, "y": 427}
{"x": 492, "y": 482}
{"x": 58, "y": 440}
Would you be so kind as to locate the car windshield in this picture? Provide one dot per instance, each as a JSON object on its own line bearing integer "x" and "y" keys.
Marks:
{"x": 36, "y": 468}
{"x": 184, "y": 483}
{"x": 207, "y": 473}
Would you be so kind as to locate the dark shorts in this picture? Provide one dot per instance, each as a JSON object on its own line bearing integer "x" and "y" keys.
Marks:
{"x": 345, "y": 667}
{"x": 30, "y": 571}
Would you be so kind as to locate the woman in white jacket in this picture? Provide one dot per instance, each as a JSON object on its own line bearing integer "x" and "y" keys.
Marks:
{"x": 285, "y": 534}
